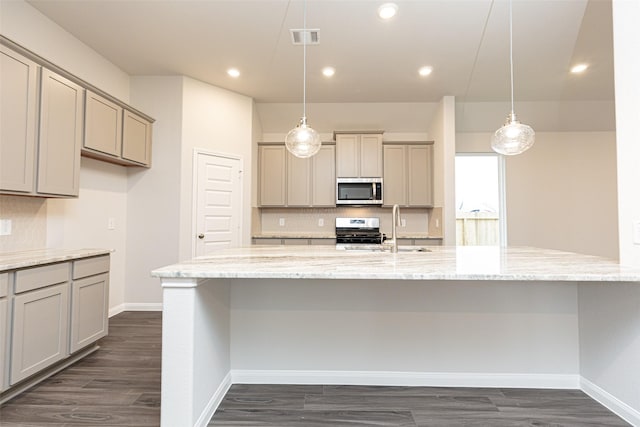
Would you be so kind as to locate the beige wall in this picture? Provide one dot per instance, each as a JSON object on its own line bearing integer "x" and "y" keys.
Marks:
{"x": 561, "y": 194}
{"x": 218, "y": 121}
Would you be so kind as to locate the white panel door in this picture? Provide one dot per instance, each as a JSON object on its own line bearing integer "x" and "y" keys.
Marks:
{"x": 218, "y": 199}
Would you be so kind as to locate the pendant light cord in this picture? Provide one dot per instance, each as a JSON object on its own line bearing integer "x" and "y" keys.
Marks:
{"x": 511, "y": 49}
{"x": 304, "y": 61}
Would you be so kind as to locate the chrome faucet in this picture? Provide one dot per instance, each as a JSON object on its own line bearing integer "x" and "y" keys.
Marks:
{"x": 395, "y": 219}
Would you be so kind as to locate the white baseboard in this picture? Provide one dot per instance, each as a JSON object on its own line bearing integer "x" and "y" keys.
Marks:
{"x": 214, "y": 402}
{"x": 135, "y": 306}
{"x": 612, "y": 403}
{"x": 239, "y": 376}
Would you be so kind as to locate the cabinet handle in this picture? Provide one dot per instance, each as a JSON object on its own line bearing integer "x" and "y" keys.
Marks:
{"x": 200, "y": 236}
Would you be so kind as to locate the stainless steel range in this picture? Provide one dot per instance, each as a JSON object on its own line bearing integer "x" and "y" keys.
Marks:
{"x": 358, "y": 231}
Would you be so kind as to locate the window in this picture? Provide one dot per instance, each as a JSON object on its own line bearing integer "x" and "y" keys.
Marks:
{"x": 480, "y": 213}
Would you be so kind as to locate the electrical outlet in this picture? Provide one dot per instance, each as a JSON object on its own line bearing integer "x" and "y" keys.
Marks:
{"x": 5, "y": 227}
{"x": 403, "y": 222}
{"x": 437, "y": 223}
{"x": 111, "y": 224}
{"x": 281, "y": 222}
{"x": 320, "y": 222}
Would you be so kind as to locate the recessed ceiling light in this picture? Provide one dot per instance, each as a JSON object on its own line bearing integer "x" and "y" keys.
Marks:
{"x": 387, "y": 10}
{"x": 233, "y": 72}
{"x": 328, "y": 71}
{"x": 425, "y": 71}
{"x": 579, "y": 68}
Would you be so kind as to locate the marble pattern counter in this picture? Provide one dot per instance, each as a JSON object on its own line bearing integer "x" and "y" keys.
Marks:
{"x": 439, "y": 263}
{"x": 33, "y": 258}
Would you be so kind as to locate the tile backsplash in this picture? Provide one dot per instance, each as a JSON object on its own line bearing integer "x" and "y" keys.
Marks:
{"x": 28, "y": 216}
{"x": 309, "y": 220}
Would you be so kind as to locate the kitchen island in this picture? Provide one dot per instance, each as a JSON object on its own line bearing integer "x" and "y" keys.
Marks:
{"x": 466, "y": 316}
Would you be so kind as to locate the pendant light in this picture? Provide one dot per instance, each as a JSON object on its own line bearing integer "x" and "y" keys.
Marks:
{"x": 303, "y": 141}
{"x": 514, "y": 137}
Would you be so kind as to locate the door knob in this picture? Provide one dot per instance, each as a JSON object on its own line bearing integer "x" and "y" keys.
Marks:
{"x": 200, "y": 236}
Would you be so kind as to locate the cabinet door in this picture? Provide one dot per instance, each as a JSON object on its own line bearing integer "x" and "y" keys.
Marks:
{"x": 348, "y": 156}
{"x": 323, "y": 179}
{"x": 136, "y": 138}
{"x": 395, "y": 175}
{"x": 298, "y": 181}
{"x": 272, "y": 163}
{"x": 89, "y": 310}
{"x": 40, "y": 332}
{"x": 18, "y": 97}
{"x": 371, "y": 156}
{"x": 420, "y": 175}
{"x": 61, "y": 122}
{"x": 103, "y": 125}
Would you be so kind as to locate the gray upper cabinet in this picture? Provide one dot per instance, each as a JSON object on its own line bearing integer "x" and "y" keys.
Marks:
{"x": 18, "y": 107}
{"x": 286, "y": 180}
{"x": 298, "y": 181}
{"x": 103, "y": 126}
{"x": 358, "y": 155}
{"x": 272, "y": 174}
{"x": 47, "y": 123}
{"x": 323, "y": 179}
{"x": 136, "y": 138}
{"x": 60, "y": 136}
{"x": 408, "y": 175}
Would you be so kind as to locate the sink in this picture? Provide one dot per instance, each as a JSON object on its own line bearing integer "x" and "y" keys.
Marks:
{"x": 383, "y": 248}
{"x": 413, "y": 249}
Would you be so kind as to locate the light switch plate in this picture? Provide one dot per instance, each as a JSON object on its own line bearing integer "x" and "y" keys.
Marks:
{"x": 320, "y": 222}
{"x": 636, "y": 233}
{"x": 281, "y": 222}
{"x": 5, "y": 227}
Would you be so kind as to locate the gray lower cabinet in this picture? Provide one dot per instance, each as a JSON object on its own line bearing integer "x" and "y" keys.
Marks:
{"x": 89, "y": 301}
{"x": 4, "y": 321}
{"x": 49, "y": 313}
{"x": 40, "y": 332}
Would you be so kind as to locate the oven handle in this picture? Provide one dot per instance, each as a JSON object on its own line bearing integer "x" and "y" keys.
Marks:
{"x": 375, "y": 193}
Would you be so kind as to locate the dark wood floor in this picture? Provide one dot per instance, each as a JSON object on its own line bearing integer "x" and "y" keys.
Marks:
{"x": 120, "y": 386}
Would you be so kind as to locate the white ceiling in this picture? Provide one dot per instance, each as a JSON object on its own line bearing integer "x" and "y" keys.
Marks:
{"x": 466, "y": 41}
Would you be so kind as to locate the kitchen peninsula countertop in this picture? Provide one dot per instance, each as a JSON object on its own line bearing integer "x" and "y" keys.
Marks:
{"x": 33, "y": 258}
{"x": 333, "y": 236}
{"x": 439, "y": 263}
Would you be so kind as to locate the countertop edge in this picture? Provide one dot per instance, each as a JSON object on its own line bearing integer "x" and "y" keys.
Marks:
{"x": 33, "y": 258}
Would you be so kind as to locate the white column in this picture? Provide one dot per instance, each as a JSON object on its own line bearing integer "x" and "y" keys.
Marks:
{"x": 626, "y": 42}
{"x": 195, "y": 350}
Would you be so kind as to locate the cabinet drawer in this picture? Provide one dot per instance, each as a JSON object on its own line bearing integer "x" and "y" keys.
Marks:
{"x": 90, "y": 266}
{"x": 4, "y": 284}
{"x": 39, "y": 277}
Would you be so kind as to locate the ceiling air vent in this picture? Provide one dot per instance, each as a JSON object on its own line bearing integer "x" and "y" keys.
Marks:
{"x": 307, "y": 37}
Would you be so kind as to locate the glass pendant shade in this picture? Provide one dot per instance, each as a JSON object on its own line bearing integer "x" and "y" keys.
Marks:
{"x": 513, "y": 138}
{"x": 303, "y": 141}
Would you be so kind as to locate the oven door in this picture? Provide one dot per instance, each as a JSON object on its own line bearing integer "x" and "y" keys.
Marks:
{"x": 359, "y": 191}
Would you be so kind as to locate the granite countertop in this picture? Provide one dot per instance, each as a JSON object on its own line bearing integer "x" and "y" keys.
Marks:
{"x": 24, "y": 259}
{"x": 439, "y": 263}
{"x": 333, "y": 236}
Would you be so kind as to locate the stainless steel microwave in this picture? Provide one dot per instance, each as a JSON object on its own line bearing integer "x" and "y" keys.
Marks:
{"x": 359, "y": 191}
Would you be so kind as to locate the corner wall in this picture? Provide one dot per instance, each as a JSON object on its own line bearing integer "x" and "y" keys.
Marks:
{"x": 561, "y": 193}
